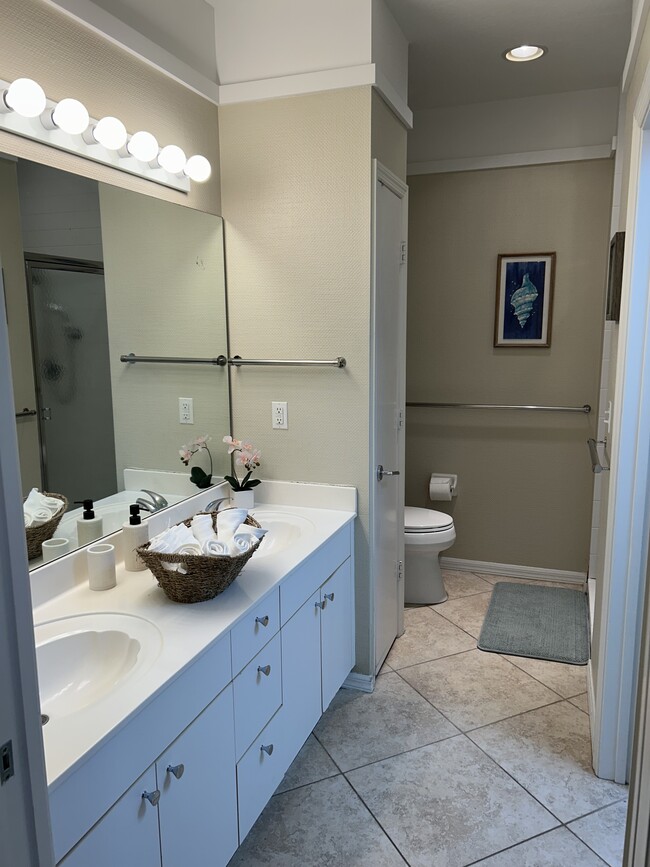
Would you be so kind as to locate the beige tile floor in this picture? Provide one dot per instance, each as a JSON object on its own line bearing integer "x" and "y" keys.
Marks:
{"x": 458, "y": 757}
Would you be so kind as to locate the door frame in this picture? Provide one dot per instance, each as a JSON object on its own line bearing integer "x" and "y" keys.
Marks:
{"x": 382, "y": 175}
{"x": 26, "y": 791}
{"x": 628, "y": 525}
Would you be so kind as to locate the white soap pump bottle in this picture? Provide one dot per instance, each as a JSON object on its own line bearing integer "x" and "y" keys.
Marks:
{"x": 89, "y": 527}
{"x": 134, "y": 534}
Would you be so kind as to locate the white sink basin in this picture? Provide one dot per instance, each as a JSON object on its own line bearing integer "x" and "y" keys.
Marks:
{"x": 84, "y": 658}
{"x": 283, "y": 530}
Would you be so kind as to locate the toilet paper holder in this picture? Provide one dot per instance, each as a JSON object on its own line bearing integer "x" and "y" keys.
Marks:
{"x": 451, "y": 478}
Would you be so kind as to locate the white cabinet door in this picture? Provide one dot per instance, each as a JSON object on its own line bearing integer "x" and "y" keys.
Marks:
{"x": 127, "y": 834}
{"x": 301, "y": 687}
{"x": 198, "y": 801}
{"x": 260, "y": 770}
{"x": 337, "y": 631}
{"x": 257, "y": 692}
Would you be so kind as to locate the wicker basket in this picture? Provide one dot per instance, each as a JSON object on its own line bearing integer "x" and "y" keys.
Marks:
{"x": 204, "y": 578}
{"x": 37, "y": 535}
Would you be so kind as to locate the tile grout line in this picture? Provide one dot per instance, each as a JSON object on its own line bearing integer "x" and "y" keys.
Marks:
{"x": 534, "y": 837}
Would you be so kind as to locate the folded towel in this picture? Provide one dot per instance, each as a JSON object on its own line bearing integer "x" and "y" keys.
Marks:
{"x": 258, "y": 532}
{"x": 228, "y": 521}
{"x": 193, "y": 548}
{"x": 202, "y": 529}
{"x": 39, "y": 509}
{"x": 214, "y": 548}
{"x": 240, "y": 544}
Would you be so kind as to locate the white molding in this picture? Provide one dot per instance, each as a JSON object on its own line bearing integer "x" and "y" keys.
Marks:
{"x": 638, "y": 26}
{"x": 642, "y": 105}
{"x": 361, "y": 682}
{"x": 294, "y": 85}
{"x": 500, "y": 161}
{"x": 509, "y": 570}
{"x": 119, "y": 33}
{"x": 393, "y": 100}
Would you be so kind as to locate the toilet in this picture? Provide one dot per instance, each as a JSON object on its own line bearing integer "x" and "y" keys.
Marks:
{"x": 426, "y": 534}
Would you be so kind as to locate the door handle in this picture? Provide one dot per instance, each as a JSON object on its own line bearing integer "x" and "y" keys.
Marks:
{"x": 381, "y": 472}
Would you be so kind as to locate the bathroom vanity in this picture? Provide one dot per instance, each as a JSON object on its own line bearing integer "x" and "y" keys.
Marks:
{"x": 169, "y": 754}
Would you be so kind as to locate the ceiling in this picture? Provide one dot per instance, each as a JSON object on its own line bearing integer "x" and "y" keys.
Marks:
{"x": 456, "y": 47}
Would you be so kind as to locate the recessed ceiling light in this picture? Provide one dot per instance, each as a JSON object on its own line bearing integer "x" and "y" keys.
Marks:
{"x": 523, "y": 53}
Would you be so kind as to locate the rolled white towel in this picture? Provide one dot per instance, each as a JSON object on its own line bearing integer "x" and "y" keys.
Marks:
{"x": 37, "y": 516}
{"x": 36, "y": 500}
{"x": 29, "y": 518}
{"x": 214, "y": 548}
{"x": 202, "y": 529}
{"x": 193, "y": 548}
{"x": 228, "y": 521}
{"x": 257, "y": 532}
{"x": 240, "y": 544}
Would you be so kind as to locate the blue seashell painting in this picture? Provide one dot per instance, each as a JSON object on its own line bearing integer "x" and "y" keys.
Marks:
{"x": 524, "y": 299}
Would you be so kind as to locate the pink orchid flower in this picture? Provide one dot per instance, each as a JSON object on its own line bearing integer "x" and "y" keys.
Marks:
{"x": 201, "y": 441}
{"x": 233, "y": 445}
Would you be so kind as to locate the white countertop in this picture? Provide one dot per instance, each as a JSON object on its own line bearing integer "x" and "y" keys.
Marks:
{"x": 187, "y": 631}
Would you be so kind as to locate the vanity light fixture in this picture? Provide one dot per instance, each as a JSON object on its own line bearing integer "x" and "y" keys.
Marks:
{"x": 524, "y": 53}
{"x": 25, "y": 97}
{"x": 26, "y": 111}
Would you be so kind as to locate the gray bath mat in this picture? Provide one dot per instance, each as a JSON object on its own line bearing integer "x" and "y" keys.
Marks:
{"x": 540, "y": 622}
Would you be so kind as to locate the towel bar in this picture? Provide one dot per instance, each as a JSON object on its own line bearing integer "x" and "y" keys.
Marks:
{"x": 222, "y": 361}
{"x": 596, "y": 465}
{"x": 586, "y": 408}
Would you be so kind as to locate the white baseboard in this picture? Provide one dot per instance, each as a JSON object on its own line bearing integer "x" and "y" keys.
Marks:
{"x": 508, "y": 570}
{"x": 362, "y": 682}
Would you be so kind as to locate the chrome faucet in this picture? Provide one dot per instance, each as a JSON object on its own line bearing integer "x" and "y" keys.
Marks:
{"x": 214, "y": 505}
{"x": 156, "y": 503}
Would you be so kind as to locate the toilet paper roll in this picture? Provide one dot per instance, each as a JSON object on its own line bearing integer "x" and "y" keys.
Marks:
{"x": 440, "y": 488}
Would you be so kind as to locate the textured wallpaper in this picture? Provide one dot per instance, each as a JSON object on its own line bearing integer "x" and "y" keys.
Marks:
{"x": 296, "y": 195}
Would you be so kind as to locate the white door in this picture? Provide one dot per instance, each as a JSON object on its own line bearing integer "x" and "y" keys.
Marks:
{"x": 387, "y": 413}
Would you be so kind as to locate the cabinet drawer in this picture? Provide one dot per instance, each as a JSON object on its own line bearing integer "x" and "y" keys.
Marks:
{"x": 258, "y": 694}
{"x": 251, "y": 634}
{"x": 259, "y": 774}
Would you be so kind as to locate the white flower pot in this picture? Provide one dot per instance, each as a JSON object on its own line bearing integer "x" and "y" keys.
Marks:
{"x": 243, "y": 499}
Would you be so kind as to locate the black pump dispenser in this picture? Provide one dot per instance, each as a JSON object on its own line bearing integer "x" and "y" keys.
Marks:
{"x": 134, "y": 512}
{"x": 88, "y": 513}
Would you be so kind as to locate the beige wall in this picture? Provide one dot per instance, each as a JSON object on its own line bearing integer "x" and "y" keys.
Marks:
{"x": 296, "y": 198}
{"x": 165, "y": 295}
{"x": 525, "y": 482}
{"x": 13, "y": 268}
{"x": 39, "y": 41}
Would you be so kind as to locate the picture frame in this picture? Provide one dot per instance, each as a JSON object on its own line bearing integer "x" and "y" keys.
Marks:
{"x": 615, "y": 276}
{"x": 529, "y": 279}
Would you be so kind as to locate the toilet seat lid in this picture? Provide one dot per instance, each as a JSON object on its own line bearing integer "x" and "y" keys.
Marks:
{"x": 425, "y": 520}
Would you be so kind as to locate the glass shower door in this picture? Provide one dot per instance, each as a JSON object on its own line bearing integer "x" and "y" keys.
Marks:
{"x": 73, "y": 381}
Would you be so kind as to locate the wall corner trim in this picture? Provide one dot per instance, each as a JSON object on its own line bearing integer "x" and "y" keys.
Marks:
{"x": 294, "y": 85}
{"x": 638, "y": 26}
{"x": 500, "y": 161}
{"x": 98, "y": 20}
{"x": 393, "y": 100}
{"x": 361, "y": 682}
{"x": 509, "y": 570}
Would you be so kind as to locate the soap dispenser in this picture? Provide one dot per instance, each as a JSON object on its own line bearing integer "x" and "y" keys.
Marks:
{"x": 89, "y": 527}
{"x": 134, "y": 534}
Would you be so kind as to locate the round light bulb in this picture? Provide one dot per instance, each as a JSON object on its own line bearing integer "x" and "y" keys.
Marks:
{"x": 25, "y": 97}
{"x": 143, "y": 146}
{"x": 172, "y": 159}
{"x": 71, "y": 116}
{"x": 110, "y": 133}
{"x": 198, "y": 168}
{"x": 522, "y": 53}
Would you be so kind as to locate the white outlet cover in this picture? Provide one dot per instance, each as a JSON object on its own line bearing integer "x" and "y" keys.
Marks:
{"x": 279, "y": 415}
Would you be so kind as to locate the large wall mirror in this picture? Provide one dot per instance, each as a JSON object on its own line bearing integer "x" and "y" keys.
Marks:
{"x": 93, "y": 272}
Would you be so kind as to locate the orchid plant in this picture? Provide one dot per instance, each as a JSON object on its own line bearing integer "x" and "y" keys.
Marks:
{"x": 197, "y": 476}
{"x": 248, "y": 457}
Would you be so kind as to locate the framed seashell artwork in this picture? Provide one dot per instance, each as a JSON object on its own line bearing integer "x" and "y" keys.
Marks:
{"x": 524, "y": 301}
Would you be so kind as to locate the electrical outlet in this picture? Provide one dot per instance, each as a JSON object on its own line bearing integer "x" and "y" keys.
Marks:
{"x": 186, "y": 410}
{"x": 279, "y": 418}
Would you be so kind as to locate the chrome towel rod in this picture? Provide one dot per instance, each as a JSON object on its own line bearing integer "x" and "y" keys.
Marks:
{"x": 222, "y": 361}
{"x": 584, "y": 409}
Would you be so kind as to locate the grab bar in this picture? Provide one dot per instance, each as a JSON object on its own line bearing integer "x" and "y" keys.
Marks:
{"x": 222, "y": 361}
{"x": 596, "y": 465}
{"x": 26, "y": 412}
{"x": 586, "y": 408}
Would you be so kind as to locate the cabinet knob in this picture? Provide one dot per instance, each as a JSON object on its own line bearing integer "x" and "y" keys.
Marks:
{"x": 263, "y": 621}
{"x": 176, "y": 770}
{"x": 330, "y": 596}
{"x": 267, "y": 748}
{"x": 322, "y": 604}
{"x": 264, "y": 669}
{"x": 152, "y": 797}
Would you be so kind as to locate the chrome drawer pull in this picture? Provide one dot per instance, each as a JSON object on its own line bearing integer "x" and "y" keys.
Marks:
{"x": 268, "y": 749}
{"x": 330, "y": 596}
{"x": 176, "y": 770}
{"x": 264, "y": 669}
{"x": 263, "y": 621}
{"x": 152, "y": 797}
